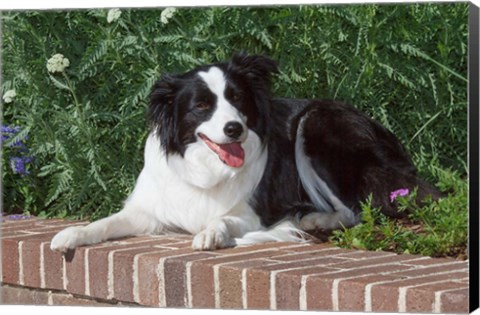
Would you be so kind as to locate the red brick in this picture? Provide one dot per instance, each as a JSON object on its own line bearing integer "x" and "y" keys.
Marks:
{"x": 351, "y": 292}
{"x": 385, "y": 296}
{"x": 319, "y": 294}
{"x": 455, "y": 301}
{"x": 288, "y": 283}
{"x": 70, "y": 300}
{"x": 375, "y": 259}
{"x": 75, "y": 271}
{"x": 320, "y": 265}
{"x": 123, "y": 272}
{"x": 34, "y": 227}
{"x": 59, "y": 222}
{"x": 311, "y": 247}
{"x": 254, "y": 247}
{"x": 98, "y": 263}
{"x": 175, "y": 275}
{"x": 31, "y": 263}
{"x": 423, "y": 271}
{"x": 148, "y": 277}
{"x": 10, "y": 267}
{"x": 258, "y": 289}
{"x": 18, "y": 223}
{"x": 422, "y": 298}
{"x": 296, "y": 256}
{"x": 23, "y": 236}
{"x": 319, "y": 286}
{"x": 258, "y": 279}
{"x": 231, "y": 282}
{"x": 22, "y": 296}
{"x": 429, "y": 261}
{"x": 21, "y": 226}
{"x": 203, "y": 294}
{"x": 14, "y": 234}
{"x": 25, "y": 296}
{"x": 53, "y": 264}
{"x": 178, "y": 245}
{"x": 363, "y": 254}
{"x": 10, "y": 255}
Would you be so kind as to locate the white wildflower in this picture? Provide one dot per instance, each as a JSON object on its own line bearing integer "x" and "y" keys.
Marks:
{"x": 167, "y": 14}
{"x": 9, "y": 96}
{"x": 57, "y": 63}
{"x": 113, "y": 15}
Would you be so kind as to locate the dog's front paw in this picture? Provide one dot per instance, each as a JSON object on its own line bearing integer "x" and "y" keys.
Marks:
{"x": 66, "y": 239}
{"x": 211, "y": 238}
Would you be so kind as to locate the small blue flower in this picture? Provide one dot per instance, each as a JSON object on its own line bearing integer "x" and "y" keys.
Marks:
{"x": 18, "y": 151}
{"x": 18, "y": 217}
{"x": 8, "y": 132}
{"x": 19, "y": 164}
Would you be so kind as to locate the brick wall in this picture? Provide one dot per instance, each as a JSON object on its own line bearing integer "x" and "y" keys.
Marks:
{"x": 163, "y": 271}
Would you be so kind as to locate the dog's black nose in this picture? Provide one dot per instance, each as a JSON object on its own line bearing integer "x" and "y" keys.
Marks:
{"x": 233, "y": 129}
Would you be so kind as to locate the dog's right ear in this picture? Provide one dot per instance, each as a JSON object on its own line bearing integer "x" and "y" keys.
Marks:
{"x": 161, "y": 110}
{"x": 163, "y": 91}
{"x": 162, "y": 97}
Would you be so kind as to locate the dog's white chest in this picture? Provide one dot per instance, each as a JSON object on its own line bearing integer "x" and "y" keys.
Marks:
{"x": 164, "y": 188}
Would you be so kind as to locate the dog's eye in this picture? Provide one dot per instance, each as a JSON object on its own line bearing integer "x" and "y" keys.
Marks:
{"x": 203, "y": 106}
{"x": 236, "y": 97}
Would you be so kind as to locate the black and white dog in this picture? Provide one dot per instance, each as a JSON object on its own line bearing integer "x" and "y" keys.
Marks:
{"x": 231, "y": 165}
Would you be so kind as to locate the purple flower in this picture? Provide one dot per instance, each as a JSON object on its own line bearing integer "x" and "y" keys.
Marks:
{"x": 17, "y": 150}
{"x": 8, "y": 131}
{"x": 19, "y": 164}
{"x": 18, "y": 217}
{"x": 399, "y": 192}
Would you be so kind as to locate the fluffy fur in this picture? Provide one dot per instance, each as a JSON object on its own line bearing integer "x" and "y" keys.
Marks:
{"x": 231, "y": 165}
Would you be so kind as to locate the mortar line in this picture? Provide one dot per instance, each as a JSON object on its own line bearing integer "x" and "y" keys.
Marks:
{"x": 21, "y": 275}
{"x": 188, "y": 270}
{"x": 50, "y": 298}
{"x": 302, "y": 299}
{"x": 334, "y": 293}
{"x": 64, "y": 273}
{"x": 42, "y": 265}
{"x": 273, "y": 291}
{"x": 216, "y": 285}
{"x": 244, "y": 289}
{"x": 87, "y": 272}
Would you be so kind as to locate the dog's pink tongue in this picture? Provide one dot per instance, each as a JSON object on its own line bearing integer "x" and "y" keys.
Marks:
{"x": 232, "y": 154}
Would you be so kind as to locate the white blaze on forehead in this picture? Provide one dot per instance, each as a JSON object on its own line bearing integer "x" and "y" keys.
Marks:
{"x": 215, "y": 80}
{"x": 224, "y": 111}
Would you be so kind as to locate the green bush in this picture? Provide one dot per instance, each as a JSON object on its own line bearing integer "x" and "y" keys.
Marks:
{"x": 403, "y": 64}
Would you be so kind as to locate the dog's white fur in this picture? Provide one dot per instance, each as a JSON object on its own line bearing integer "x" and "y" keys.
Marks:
{"x": 196, "y": 193}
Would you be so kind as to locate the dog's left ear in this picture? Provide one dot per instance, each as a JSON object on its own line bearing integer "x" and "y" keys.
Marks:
{"x": 253, "y": 66}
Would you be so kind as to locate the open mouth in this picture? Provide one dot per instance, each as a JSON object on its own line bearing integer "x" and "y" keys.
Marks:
{"x": 231, "y": 154}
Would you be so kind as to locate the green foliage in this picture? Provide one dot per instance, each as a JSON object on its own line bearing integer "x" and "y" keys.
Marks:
{"x": 435, "y": 228}
{"x": 405, "y": 65}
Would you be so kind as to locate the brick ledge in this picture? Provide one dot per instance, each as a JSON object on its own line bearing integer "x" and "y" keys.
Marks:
{"x": 163, "y": 271}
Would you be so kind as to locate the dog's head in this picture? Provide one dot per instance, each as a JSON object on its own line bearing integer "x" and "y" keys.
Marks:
{"x": 218, "y": 109}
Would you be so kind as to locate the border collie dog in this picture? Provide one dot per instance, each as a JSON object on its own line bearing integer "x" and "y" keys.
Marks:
{"x": 231, "y": 165}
